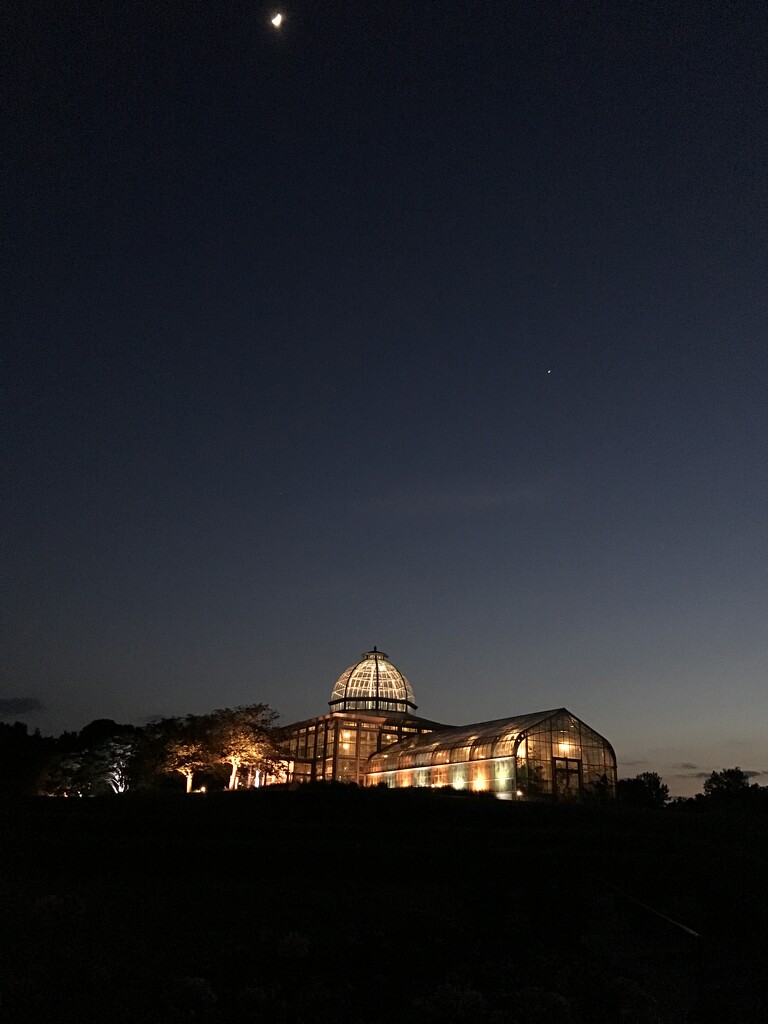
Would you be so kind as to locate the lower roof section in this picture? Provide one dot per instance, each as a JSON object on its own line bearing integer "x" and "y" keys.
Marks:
{"x": 502, "y": 737}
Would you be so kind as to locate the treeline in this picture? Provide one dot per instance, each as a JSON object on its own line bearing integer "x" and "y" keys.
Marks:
{"x": 238, "y": 748}
{"x": 229, "y": 748}
{"x": 730, "y": 787}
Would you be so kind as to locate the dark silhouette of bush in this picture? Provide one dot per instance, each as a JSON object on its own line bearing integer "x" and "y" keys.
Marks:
{"x": 729, "y": 783}
{"x": 647, "y": 789}
{"x": 22, "y": 759}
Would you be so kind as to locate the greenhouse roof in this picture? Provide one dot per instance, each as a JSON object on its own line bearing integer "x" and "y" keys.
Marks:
{"x": 466, "y": 742}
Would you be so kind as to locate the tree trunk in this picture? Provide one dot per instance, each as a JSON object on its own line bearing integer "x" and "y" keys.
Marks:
{"x": 189, "y": 781}
{"x": 233, "y": 776}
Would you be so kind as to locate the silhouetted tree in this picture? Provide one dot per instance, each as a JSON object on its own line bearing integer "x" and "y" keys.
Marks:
{"x": 100, "y": 731}
{"x": 730, "y": 782}
{"x": 647, "y": 789}
{"x": 22, "y": 759}
{"x": 67, "y": 775}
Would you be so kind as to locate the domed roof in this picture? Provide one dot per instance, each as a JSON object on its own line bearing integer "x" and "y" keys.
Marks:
{"x": 373, "y": 684}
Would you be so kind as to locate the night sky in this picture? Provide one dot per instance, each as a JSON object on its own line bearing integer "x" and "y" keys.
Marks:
{"x": 441, "y": 326}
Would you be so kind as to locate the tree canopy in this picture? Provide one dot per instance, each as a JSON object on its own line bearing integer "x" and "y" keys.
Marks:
{"x": 729, "y": 782}
{"x": 644, "y": 790}
{"x": 109, "y": 757}
{"x": 242, "y": 737}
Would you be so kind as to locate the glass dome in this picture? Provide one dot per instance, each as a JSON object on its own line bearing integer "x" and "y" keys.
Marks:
{"x": 373, "y": 684}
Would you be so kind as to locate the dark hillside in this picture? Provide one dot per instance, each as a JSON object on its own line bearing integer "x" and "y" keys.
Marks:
{"x": 340, "y": 905}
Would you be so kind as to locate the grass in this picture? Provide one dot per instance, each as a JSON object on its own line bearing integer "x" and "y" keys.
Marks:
{"x": 340, "y": 905}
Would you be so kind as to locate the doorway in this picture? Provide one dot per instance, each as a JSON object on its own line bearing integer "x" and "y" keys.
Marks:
{"x": 567, "y": 778}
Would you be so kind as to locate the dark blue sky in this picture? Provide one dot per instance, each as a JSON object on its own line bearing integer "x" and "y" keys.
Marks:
{"x": 435, "y": 325}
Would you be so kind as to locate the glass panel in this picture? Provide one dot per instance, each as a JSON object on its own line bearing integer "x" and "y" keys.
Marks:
{"x": 460, "y": 754}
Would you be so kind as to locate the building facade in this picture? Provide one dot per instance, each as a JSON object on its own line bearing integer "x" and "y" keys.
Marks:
{"x": 371, "y": 737}
{"x": 372, "y": 707}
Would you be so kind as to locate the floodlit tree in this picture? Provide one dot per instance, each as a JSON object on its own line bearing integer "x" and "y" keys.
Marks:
{"x": 177, "y": 745}
{"x": 242, "y": 737}
{"x": 116, "y": 755}
{"x": 185, "y": 756}
{"x": 110, "y": 763}
{"x": 92, "y": 772}
{"x": 647, "y": 789}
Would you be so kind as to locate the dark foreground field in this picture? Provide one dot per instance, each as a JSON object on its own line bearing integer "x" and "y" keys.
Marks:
{"x": 339, "y": 905}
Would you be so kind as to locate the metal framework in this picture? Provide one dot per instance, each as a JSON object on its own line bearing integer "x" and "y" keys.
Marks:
{"x": 373, "y": 684}
{"x": 548, "y": 753}
{"x": 336, "y": 747}
{"x": 371, "y": 737}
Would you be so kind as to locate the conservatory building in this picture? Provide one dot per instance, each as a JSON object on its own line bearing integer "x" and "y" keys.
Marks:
{"x": 371, "y": 707}
{"x": 548, "y": 753}
{"x": 371, "y": 737}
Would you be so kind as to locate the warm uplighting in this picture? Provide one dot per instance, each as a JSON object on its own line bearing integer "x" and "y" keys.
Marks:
{"x": 532, "y": 751}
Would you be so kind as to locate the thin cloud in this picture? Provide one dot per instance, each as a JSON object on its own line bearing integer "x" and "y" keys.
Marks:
{"x": 19, "y": 707}
{"x": 686, "y": 766}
